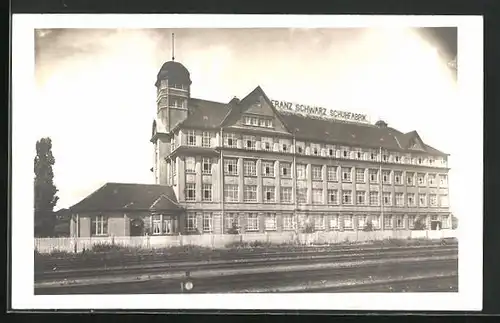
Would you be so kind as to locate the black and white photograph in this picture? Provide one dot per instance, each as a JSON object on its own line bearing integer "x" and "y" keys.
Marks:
{"x": 246, "y": 161}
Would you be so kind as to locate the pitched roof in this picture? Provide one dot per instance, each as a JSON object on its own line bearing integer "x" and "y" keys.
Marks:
{"x": 214, "y": 115}
{"x": 132, "y": 197}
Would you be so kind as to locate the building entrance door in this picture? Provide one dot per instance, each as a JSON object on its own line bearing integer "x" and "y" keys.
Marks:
{"x": 136, "y": 227}
{"x": 435, "y": 225}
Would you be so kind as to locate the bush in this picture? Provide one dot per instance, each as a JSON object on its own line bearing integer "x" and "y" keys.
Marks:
{"x": 368, "y": 226}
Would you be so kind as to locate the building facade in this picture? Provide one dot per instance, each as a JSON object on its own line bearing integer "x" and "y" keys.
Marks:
{"x": 247, "y": 166}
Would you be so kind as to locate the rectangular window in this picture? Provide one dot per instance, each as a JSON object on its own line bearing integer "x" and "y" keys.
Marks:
{"x": 99, "y": 225}
{"x": 443, "y": 200}
{"x": 400, "y": 222}
{"x": 270, "y": 222}
{"x": 443, "y": 180}
{"x": 332, "y": 173}
{"x": 249, "y": 142}
{"x": 346, "y": 174}
{"x": 207, "y": 222}
{"x": 206, "y": 139}
{"x": 206, "y": 165}
{"x": 411, "y": 199}
{"x": 249, "y": 167}
{"x": 397, "y": 159}
{"x": 386, "y": 177}
{"x": 317, "y": 173}
{"x": 302, "y": 195}
{"x": 387, "y": 198}
{"x": 361, "y": 221}
{"x": 301, "y": 171}
{"x": 207, "y": 192}
{"x": 250, "y": 193}
{"x": 385, "y": 157}
{"x": 432, "y": 179}
{"x": 315, "y": 149}
{"x": 286, "y": 170}
{"x": 190, "y": 165}
{"x": 345, "y": 153}
{"x": 191, "y": 222}
{"x": 374, "y": 198}
{"x": 191, "y": 138}
{"x": 300, "y": 148}
{"x": 388, "y": 221}
{"x": 433, "y": 200}
{"x": 175, "y": 103}
{"x": 231, "y": 193}
{"x": 358, "y": 154}
{"x": 267, "y": 143}
{"x": 286, "y": 194}
{"x": 190, "y": 192}
{"x": 445, "y": 222}
{"x": 410, "y": 181}
{"x": 331, "y": 152}
{"x": 373, "y": 156}
{"x": 411, "y": 221}
{"x": 231, "y": 221}
{"x": 360, "y": 197}
{"x": 397, "y": 178}
{"x": 333, "y": 197}
{"x": 230, "y": 140}
{"x": 288, "y": 222}
{"x": 156, "y": 219}
{"x": 421, "y": 179}
{"x": 334, "y": 221}
{"x": 422, "y": 200}
{"x": 268, "y": 168}
{"x": 375, "y": 219}
{"x": 360, "y": 175}
{"x": 346, "y": 197}
{"x": 319, "y": 222}
{"x": 348, "y": 221}
{"x": 373, "y": 176}
{"x": 247, "y": 121}
{"x": 317, "y": 196}
{"x": 284, "y": 145}
{"x": 230, "y": 166}
{"x": 269, "y": 192}
{"x": 400, "y": 199}
{"x": 252, "y": 222}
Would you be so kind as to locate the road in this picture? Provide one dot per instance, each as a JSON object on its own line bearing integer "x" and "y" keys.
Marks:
{"x": 432, "y": 269}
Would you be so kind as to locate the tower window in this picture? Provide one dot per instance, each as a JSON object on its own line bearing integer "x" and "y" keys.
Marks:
{"x": 176, "y": 103}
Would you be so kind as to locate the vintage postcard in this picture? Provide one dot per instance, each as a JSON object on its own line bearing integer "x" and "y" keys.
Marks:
{"x": 252, "y": 162}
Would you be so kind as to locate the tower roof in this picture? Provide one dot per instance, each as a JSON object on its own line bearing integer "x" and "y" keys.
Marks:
{"x": 173, "y": 72}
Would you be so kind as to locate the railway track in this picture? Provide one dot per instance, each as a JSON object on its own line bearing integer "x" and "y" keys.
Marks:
{"x": 282, "y": 259}
{"x": 247, "y": 282}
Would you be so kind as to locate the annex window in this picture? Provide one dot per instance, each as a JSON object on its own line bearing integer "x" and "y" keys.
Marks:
{"x": 99, "y": 225}
{"x": 331, "y": 172}
{"x": 231, "y": 193}
{"x": 190, "y": 192}
{"x": 270, "y": 221}
{"x": 387, "y": 198}
{"x": 206, "y": 139}
{"x": 373, "y": 176}
{"x": 230, "y": 166}
{"x": 250, "y": 193}
{"x": 286, "y": 194}
{"x": 269, "y": 194}
{"x": 286, "y": 170}
{"x": 400, "y": 199}
{"x": 346, "y": 197}
{"x": 156, "y": 220}
{"x": 346, "y": 174}
{"x": 249, "y": 142}
{"x": 252, "y": 222}
{"x": 191, "y": 222}
{"x": 207, "y": 222}
{"x": 317, "y": 173}
{"x": 191, "y": 138}
{"x": 360, "y": 197}
{"x": 230, "y": 140}
{"x": 445, "y": 222}
{"x": 374, "y": 198}
{"x": 190, "y": 165}
{"x": 206, "y": 165}
{"x": 333, "y": 197}
{"x": 360, "y": 175}
{"x": 302, "y": 195}
{"x": 207, "y": 192}
{"x": 268, "y": 168}
{"x": 249, "y": 167}
{"x": 317, "y": 196}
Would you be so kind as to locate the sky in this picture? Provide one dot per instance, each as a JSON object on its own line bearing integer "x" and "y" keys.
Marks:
{"x": 97, "y": 100}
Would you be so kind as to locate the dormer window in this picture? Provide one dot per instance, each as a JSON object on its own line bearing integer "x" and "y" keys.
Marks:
{"x": 419, "y": 160}
{"x": 345, "y": 153}
{"x": 372, "y": 156}
{"x": 384, "y": 157}
{"x": 330, "y": 152}
{"x": 397, "y": 158}
{"x": 257, "y": 122}
{"x": 284, "y": 147}
{"x": 358, "y": 155}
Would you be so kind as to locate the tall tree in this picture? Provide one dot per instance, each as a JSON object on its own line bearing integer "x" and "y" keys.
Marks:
{"x": 45, "y": 190}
